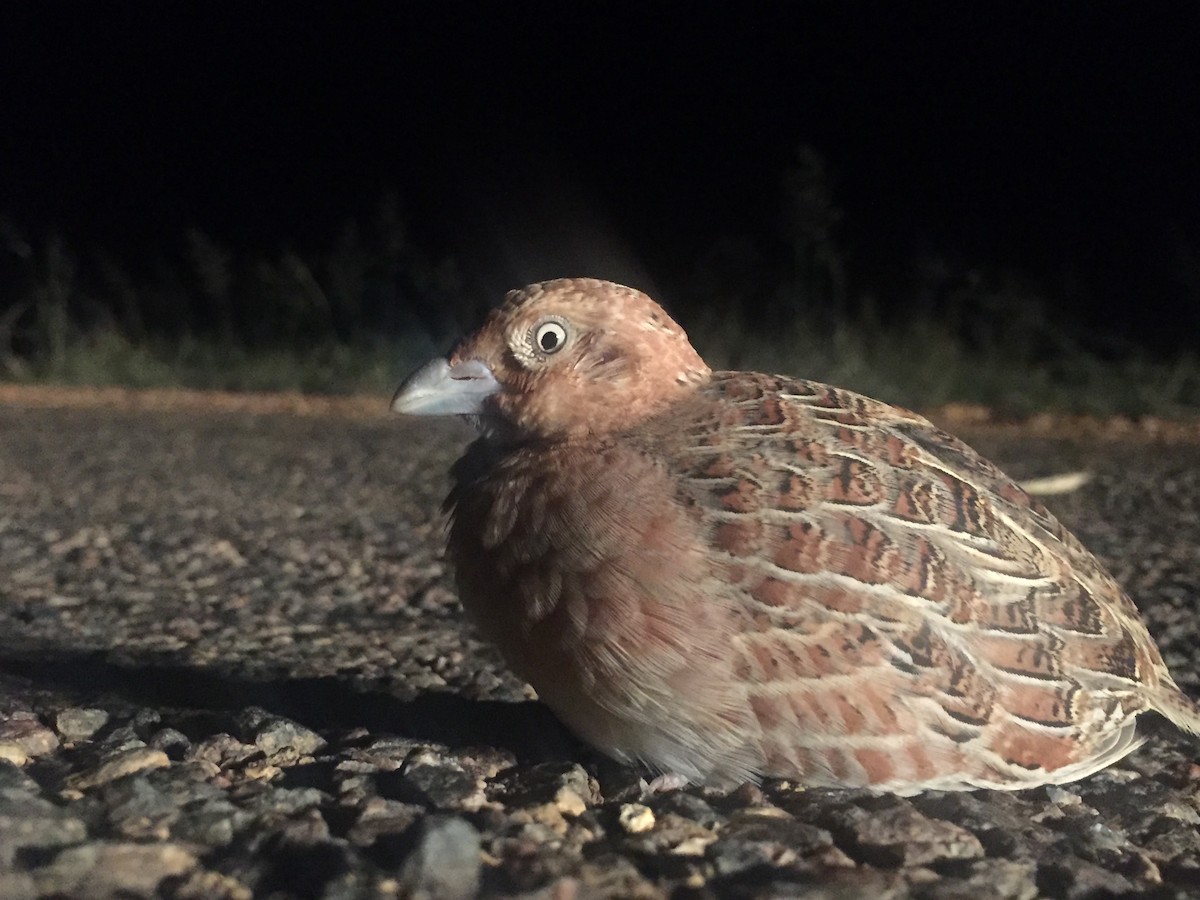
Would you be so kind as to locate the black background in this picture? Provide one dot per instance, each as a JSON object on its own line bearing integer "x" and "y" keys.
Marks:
{"x": 531, "y": 140}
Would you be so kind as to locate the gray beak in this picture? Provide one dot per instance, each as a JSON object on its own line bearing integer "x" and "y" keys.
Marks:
{"x": 441, "y": 389}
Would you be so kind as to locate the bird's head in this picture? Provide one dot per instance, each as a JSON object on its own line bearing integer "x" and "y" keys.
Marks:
{"x": 562, "y": 358}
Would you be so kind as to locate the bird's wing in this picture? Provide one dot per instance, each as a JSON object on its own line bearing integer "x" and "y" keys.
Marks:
{"x": 912, "y": 615}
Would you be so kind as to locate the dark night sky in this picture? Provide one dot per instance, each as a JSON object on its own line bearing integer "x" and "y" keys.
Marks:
{"x": 541, "y": 139}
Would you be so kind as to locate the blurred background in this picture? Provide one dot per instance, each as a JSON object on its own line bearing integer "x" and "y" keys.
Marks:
{"x": 931, "y": 202}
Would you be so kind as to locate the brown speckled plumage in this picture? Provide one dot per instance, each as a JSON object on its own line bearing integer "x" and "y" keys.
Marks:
{"x": 732, "y": 575}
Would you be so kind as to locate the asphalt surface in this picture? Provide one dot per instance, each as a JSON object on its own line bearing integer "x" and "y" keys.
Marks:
{"x": 232, "y": 665}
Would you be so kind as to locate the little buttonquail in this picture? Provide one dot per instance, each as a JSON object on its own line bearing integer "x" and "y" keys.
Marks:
{"x": 729, "y": 575}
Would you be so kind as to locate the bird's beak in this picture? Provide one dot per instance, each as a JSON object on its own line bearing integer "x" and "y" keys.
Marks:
{"x": 439, "y": 388}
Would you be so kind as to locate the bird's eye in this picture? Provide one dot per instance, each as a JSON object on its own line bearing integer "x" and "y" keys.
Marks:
{"x": 549, "y": 337}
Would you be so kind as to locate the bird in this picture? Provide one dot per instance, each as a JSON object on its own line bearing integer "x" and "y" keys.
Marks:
{"x": 732, "y": 576}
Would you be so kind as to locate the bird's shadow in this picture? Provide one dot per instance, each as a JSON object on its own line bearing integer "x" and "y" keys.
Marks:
{"x": 528, "y": 729}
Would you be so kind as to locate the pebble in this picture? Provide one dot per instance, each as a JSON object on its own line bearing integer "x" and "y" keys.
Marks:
{"x": 126, "y": 762}
{"x": 204, "y": 884}
{"x": 753, "y": 841}
{"x": 568, "y": 785}
{"x": 568, "y": 802}
{"x": 436, "y": 781}
{"x": 18, "y": 886}
{"x": 897, "y": 834}
{"x": 993, "y": 879}
{"x": 1061, "y": 796}
{"x": 635, "y": 818}
{"x": 222, "y": 750}
{"x": 689, "y": 806}
{"x": 172, "y": 742}
{"x": 11, "y": 751}
{"x": 76, "y": 724}
{"x": 545, "y": 815}
{"x": 275, "y": 735}
{"x": 113, "y": 869}
{"x": 211, "y": 823}
{"x": 25, "y": 731}
{"x": 675, "y": 835}
{"x": 28, "y": 821}
{"x": 379, "y": 816}
{"x": 403, "y": 801}
{"x": 139, "y": 810}
{"x": 445, "y": 862}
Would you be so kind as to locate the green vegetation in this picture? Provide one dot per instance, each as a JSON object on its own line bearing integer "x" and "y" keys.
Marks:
{"x": 369, "y": 307}
{"x": 348, "y": 319}
{"x": 924, "y": 363}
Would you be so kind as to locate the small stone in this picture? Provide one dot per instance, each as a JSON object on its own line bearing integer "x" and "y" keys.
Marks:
{"x": 261, "y": 770}
{"x": 110, "y": 869}
{"x": 899, "y": 835}
{"x": 445, "y": 863}
{"x": 138, "y": 810}
{"x": 18, "y": 886}
{"x": 754, "y": 841}
{"x": 76, "y": 724}
{"x": 1077, "y": 879}
{"x": 123, "y": 737}
{"x": 612, "y": 876}
{"x": 1061, "y": 796}
{"x": 16, "y": 786}
{"x": 171, "y": 742}
{"x": 994, "y": 879}
{"x": 673, "y": 834}
{"x": 391, "y": 752}
{"x": 748, "y": 794}
{"x": 695, "y": 845}
{"x": 213, "y": 823}
{"x": 280, "y": 801}
{"x": 11, "y": 751}
{"x": 275, "y": 735}
{"x": 24, "y": 730}
{"x": 127, "y": 762}
{"x": 569, "y": 803}
{"x": 28, "y": 821}
{"x": 689, "y": 806}
{"x": 1180, "y": 811}
{"x": 667, "y": 781}
{"x": 305, "y": 830}
{"x": 635, "y": 818}
{"x": 546, "y": 815}
{"x": 222, "y": 750}
{"x": 435, "y": 781}
{"x": 200, "y": 769}
{"x": 620, "y": 783}
{"x": 544, "y": 783}
{"x": 380, "y": 816}
{"x": 207, "y": 885}
{"x": 1099, "y": 839}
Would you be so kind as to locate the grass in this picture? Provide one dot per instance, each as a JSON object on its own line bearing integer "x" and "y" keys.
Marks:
{"x": 923, "y": 364}
{"x": 371, "y": 306}
{"x": 350, "y": 318}
{"x": 109, "y": 359}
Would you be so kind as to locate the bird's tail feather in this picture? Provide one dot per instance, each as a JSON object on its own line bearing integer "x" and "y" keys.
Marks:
{"x": 1183, "y": 712}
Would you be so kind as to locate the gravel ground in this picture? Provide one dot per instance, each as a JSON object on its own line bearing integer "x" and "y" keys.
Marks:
{"x": 232, "y": 665}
